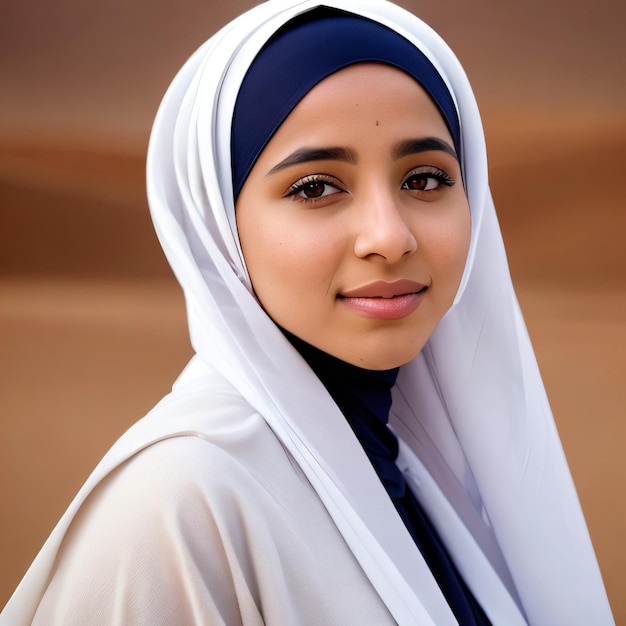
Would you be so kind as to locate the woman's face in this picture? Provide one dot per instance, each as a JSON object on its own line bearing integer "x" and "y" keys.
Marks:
{"x": 353, "y": 223}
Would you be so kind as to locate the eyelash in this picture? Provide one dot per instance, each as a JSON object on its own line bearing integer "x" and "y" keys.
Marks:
{"x": 319, "y": 179}
{"x": 424, "y": 172}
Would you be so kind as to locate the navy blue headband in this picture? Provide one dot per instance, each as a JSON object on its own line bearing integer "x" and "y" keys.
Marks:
{"x": 300, "y": 55}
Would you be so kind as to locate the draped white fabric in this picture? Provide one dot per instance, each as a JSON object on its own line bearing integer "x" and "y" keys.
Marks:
{"x": 479, "y": 444}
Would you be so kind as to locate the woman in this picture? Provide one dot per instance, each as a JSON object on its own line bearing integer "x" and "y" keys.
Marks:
{"x": 318, "y": 181}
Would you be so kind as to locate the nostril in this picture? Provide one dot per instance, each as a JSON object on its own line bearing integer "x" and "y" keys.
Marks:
{"x": 388, "y": 237}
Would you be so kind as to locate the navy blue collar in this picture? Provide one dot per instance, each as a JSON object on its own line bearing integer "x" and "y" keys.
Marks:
{"x": 364, "y": 398}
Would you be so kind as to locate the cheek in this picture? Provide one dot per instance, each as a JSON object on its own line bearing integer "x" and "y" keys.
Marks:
{"x": 448, "y": 245}
{"x": 459, "y": 252}
{"x": 464, "y": 234}
{"x": 458, "y": 242}
{"x": 287, "y": 258}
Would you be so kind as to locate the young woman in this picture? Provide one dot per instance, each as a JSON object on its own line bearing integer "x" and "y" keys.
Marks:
{"x": 363, "y": 436}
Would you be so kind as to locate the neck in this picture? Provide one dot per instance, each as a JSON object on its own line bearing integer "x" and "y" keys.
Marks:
{"x": 349, "y": 383}
{"x": 364, "y": 398}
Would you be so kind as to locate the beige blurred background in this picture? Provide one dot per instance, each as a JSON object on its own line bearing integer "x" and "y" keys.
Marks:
{"x": 92, "y": 325}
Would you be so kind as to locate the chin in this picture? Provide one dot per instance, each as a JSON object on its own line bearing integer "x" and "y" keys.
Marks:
{"x": 382, "y": 364}
{"x": 381, "y": 357}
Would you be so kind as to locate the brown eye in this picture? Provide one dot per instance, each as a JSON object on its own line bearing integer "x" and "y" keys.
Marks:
{"x": 420, "y": 183}
{"x": 426, "y": 178}
{"x": 313, "y": 190}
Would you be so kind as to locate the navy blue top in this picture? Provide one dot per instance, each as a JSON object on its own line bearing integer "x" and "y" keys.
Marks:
{"x": 364, "y": 397}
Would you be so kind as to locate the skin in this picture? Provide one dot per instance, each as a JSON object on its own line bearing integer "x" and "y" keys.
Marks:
{"x": 333, "y": 205}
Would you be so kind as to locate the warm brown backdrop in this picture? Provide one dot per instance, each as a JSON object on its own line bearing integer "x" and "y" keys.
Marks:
{"x": 92, "y": 326}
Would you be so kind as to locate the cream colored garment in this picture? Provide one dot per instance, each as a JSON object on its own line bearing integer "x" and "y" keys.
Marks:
{"x": 217, "y": 525}
{"x": 479, "y": 445}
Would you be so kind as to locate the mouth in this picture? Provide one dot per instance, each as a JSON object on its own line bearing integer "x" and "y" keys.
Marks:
{"x": 386, "y": 290}
{"x": 384, "y": 301}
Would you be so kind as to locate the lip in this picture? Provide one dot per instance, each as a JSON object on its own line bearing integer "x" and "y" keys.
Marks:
{"x": 385, "y": 301}
{"x": 383, "y": 289}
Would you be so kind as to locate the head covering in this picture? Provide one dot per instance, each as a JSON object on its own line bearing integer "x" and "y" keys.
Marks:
{"x": 478, "y": 444}
{"x": 299, "y": 56}
{"x": 471, "y": 407}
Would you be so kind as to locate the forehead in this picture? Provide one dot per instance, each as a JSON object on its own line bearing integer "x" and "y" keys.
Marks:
{"x": 372, "y": 94}
{"x": 366, "y": 78}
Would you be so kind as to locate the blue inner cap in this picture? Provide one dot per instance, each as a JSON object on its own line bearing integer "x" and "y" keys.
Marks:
{"x": 304, "y": 52}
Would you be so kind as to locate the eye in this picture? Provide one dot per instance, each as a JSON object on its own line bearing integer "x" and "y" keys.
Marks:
{"x": 426, "y": 178}
{"x": 314, "y": 188}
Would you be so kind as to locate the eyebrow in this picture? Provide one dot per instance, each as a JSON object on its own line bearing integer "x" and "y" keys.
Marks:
{"x": 414, "y": 146}
{"x": 402, "y": 149}
{"x": 305, "y": 155}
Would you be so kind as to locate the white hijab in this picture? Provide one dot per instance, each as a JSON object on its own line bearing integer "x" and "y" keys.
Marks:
{"x": 479, "y": 444}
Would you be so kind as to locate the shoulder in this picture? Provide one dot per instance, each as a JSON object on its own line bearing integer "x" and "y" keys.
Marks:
{"x": 203, "y": 430}
{"x": 196, "y": 452}
{"x": 160, "y": 520}
{"x": 199, "y": 450}
{"x": 192, "y": 472}
{"x": 211, "y": 523}
{"x": 156, "y": 537}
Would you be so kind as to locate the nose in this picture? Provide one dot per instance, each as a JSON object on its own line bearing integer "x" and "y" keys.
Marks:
{"x": 383, "y": 230}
